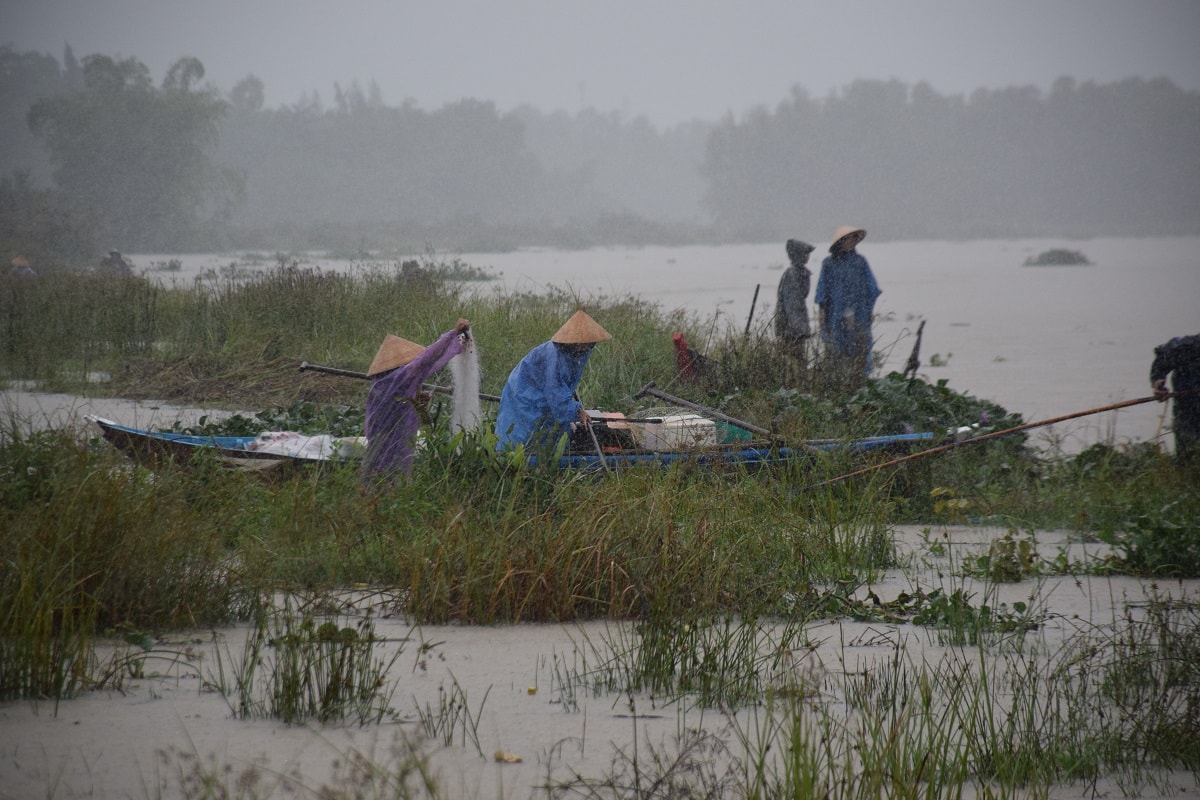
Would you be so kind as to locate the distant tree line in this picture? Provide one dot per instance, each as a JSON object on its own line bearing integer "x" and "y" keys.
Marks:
{"x": 100, "y": 155}
{"x": 1085, "y": 159}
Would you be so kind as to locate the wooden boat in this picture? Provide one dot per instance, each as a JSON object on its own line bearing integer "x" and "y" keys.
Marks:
{"x": 245, "y": 452}
{"x": 157, "y": 448}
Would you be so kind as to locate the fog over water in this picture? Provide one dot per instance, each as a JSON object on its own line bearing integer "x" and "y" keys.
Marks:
{"x": 672, "y": 61}
{"x": 465, "y": 125}
{"x": 1040, "y": 341}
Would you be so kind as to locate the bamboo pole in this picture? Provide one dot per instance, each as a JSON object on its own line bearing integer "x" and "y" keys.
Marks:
{"x": 753, "y": 303}
{"x": 649, "y": 389}
{"x": 362, "y": 376}
{"x": 985, "y": 437}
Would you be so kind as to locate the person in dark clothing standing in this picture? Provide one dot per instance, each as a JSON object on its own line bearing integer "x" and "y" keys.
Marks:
{"x": 1180, "y": 358}
{"x": 114, "y": 264}
{"x": 791, "y": 306}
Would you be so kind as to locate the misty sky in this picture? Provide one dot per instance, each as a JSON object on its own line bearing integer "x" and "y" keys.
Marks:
{"x": 671, "y": 60}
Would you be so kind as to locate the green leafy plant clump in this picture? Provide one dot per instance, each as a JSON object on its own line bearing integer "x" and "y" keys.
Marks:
{"x": 300, "y": 665}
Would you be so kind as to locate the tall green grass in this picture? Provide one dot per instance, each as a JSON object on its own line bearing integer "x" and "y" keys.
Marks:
{"x": 301, "y": 663}
{"x": 95, "y": 542}
{"x": 64, "y": 326}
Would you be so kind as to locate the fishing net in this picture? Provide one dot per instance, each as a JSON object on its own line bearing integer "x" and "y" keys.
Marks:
{"x": 464, "y": 371}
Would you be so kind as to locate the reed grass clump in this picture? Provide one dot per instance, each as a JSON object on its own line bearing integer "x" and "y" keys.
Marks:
{"x": 453, "y": 717}
{"x": 300, "y": 663}
{"x": 93, "y": 543}
{"x": 1114, "y": 700}
{"x": 65, "y": 326}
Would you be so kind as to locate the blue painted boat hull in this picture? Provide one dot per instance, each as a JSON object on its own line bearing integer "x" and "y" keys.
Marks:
{"x": 158, "y": 447}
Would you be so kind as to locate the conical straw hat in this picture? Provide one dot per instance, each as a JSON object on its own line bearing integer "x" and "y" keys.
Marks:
{"x": 843, "y": 232}
{"x": 580, "y": 329}
{"x": 394, "y": 352}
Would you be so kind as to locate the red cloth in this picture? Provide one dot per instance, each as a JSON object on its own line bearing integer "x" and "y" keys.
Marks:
{"x": 685, "y": 364}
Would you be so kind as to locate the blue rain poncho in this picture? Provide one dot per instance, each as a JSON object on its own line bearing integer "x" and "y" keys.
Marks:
{"x": 538, "y": 403}
{"x": 846, "y": 293}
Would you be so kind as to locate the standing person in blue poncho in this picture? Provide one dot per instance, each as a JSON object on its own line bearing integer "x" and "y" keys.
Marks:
{"x": 846, "y": 294}
{"x": 538, "y": 404}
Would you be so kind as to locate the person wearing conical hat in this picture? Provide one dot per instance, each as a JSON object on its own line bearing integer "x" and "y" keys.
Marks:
{"x": 845, "y": 298}
{"x": 397, "y": 372}
{"x": 538, "y": 405}
{"x": 22, "y": 268}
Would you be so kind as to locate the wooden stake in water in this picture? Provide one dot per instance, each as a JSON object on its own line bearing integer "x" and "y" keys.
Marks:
{"x": 753, "y": 303}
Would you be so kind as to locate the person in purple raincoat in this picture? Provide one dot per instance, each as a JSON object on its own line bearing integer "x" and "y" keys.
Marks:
{"x": 398, "y": 371}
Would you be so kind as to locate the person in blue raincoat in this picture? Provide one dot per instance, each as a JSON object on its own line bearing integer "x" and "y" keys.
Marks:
{"x": 538, "y": 404}
{"x": 845, "y": 297}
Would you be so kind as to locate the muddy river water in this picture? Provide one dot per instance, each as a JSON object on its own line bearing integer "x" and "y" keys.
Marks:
{"x": 515, "y": 684}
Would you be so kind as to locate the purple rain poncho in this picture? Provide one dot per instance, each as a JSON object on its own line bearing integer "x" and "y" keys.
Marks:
{"x": 391, "y": 416}
{"x": 847, "y": 286}
{"x": 538, "y": 402}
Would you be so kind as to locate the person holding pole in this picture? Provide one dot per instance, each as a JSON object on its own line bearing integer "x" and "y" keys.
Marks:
{"x": 538, "y": 404}
{"x": 397, "y": 372}
{"x": 1180, "y": 359}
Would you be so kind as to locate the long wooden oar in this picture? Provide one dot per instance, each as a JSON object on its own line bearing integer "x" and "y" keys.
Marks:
{"x": 362, "y": 376}
{"x": 974, "y": 440}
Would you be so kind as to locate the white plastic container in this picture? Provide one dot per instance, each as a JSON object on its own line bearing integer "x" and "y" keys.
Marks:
{"x": 675, "y": 432}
